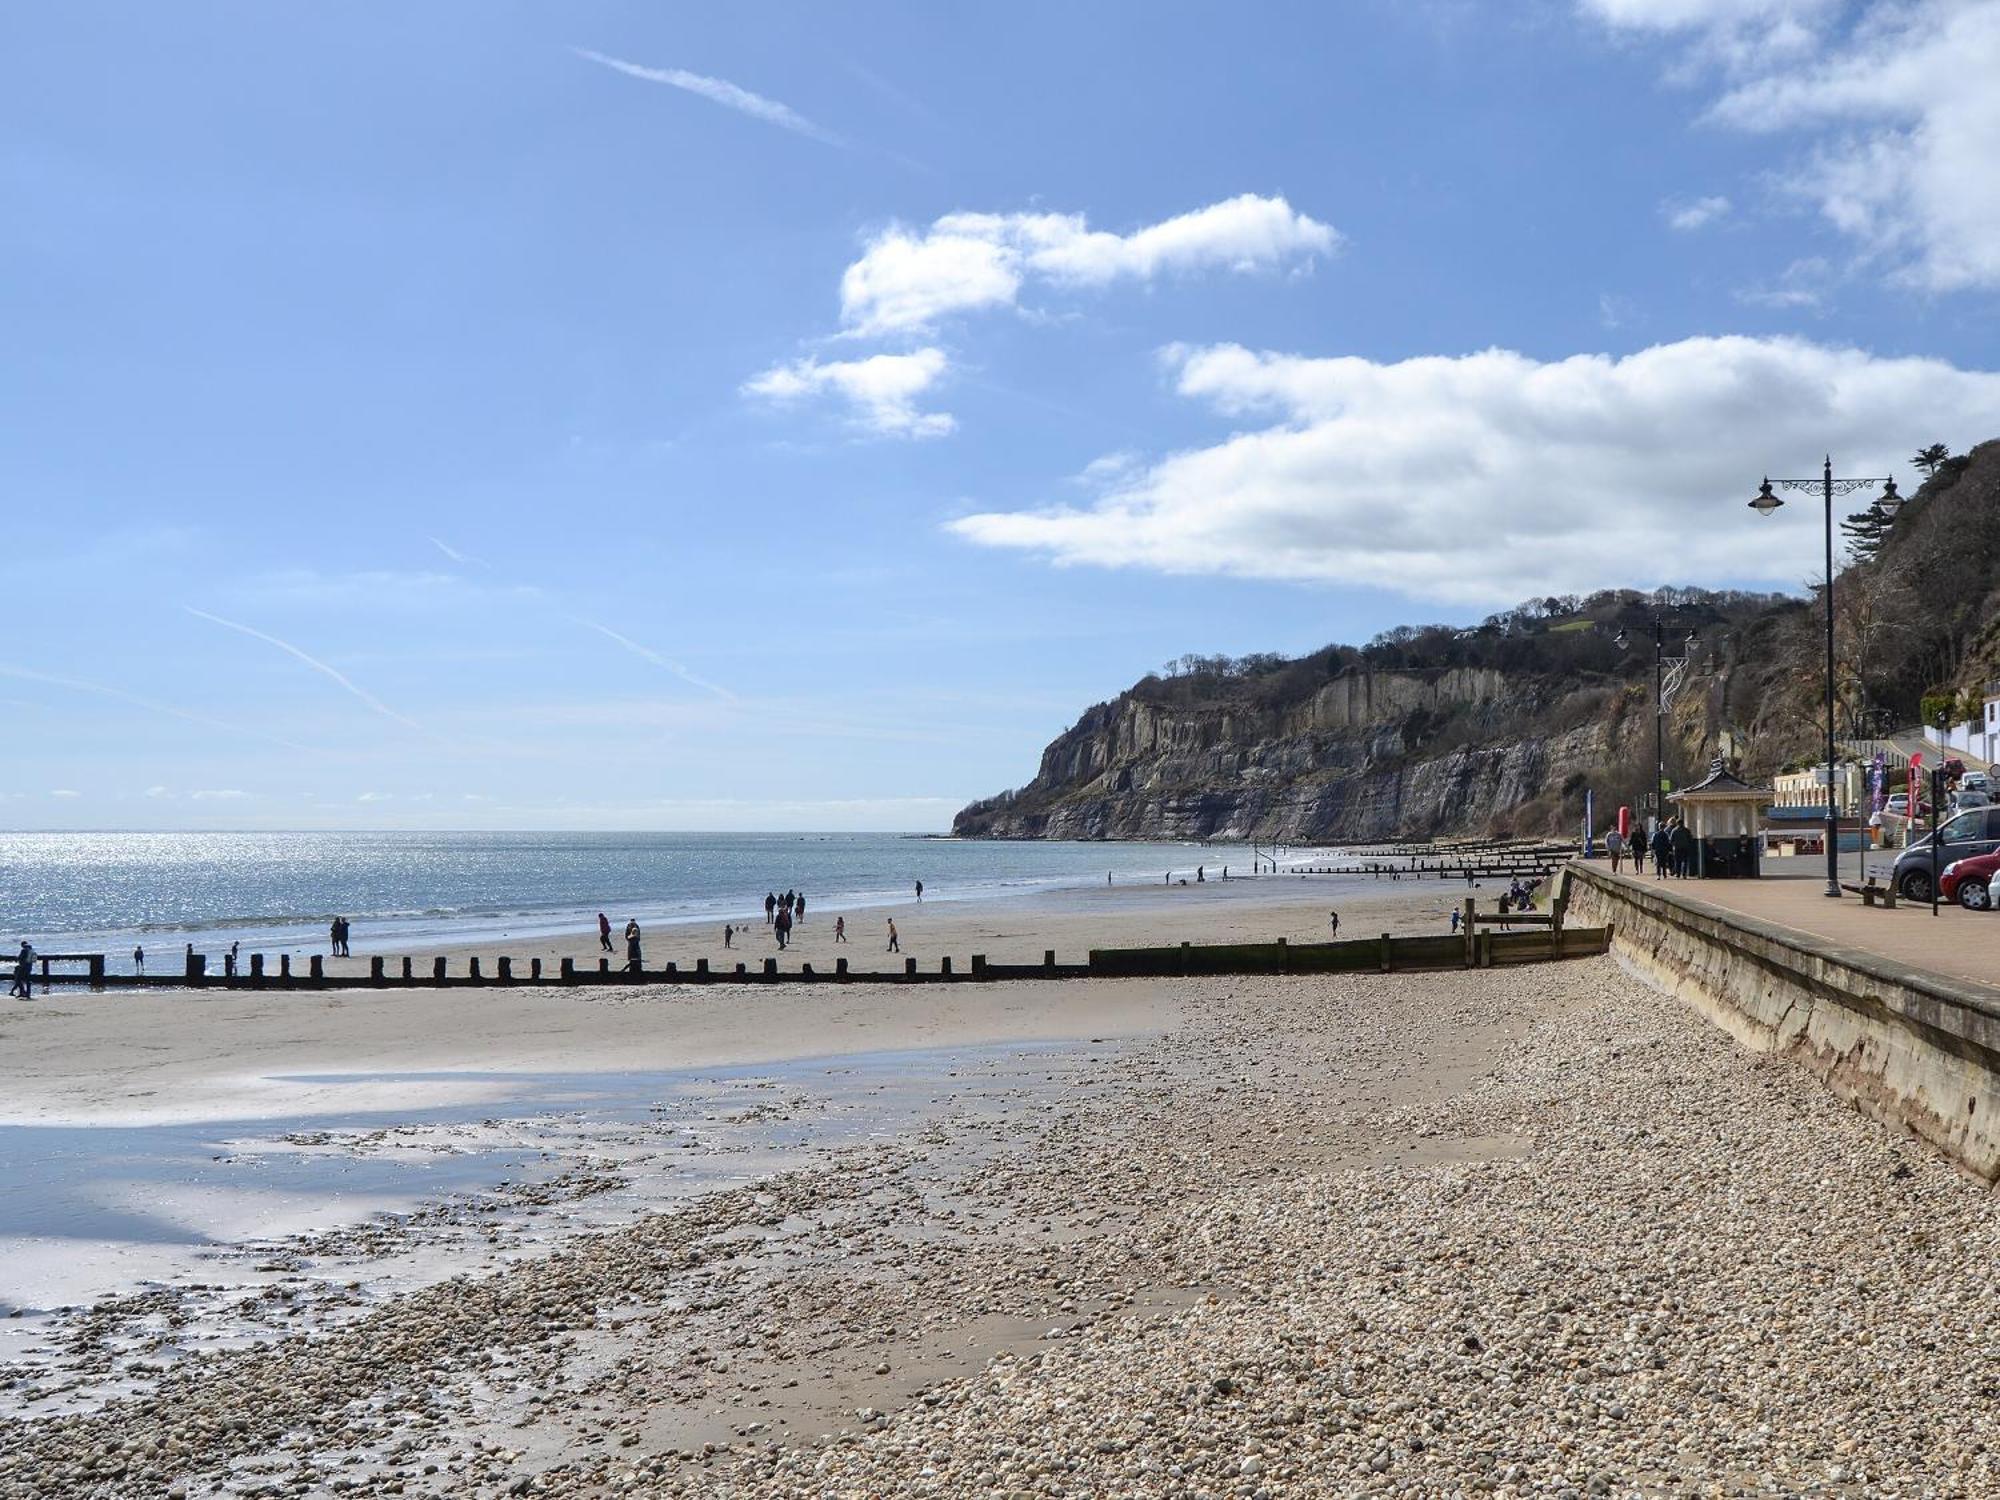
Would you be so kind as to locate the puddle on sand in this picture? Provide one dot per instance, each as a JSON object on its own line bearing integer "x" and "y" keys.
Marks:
{"x": 231, "y": 1232}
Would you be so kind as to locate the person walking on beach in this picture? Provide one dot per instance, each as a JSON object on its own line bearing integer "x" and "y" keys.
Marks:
{"x": 1614, "y": 845}
{"x": 604, "y": 933}
{"x": 784, "y": 927}
{"x": 229, "y": 962}
{"x": 24, "y": 973}
{"x": 802, "y": 906}
{"x": 333, "y": 937}
{"x": 1333, "y": 920}
{"x": 139, "y": 961}
{"x": 895, "y": 942}
{"x": 728, "y": 934}
{"x": 770, "y": 907}
{"x": 840, "y": 929}
{"x": 920, "y": 892}
{"x": 632, "y": 944}
{"x": 1454, "y": 921}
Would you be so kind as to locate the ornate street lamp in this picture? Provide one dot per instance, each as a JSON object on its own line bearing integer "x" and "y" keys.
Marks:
{"x": 1766, "y": 502}
{"x": 1667, "y": 675}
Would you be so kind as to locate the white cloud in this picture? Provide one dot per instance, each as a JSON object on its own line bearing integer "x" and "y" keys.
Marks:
{"x": 63, "y": 791}
{"x": 1491, "y": 477}
{"x": 1802, "y": 284}
{"x": 158, "y": 791}
{"x": 1898, "y": 105}
{"x": 312, "y": 661}
{"x": 376, "y": 797}
{"x": 219, "y": 794}
{"x": 717, "y": 90}
{"x": 881, "y": 391}
{"x": 907, "y": 279}
{"x": 1697, "y": 214}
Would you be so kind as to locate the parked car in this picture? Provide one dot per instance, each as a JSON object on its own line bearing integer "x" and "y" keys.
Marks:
{"x": 1973, "y": 832}
{"x": 1976, "y": 781}
{"x": 1969, "y": 882}
{"x": 1898, "y": 803}
{"x": 1969, "y": 796}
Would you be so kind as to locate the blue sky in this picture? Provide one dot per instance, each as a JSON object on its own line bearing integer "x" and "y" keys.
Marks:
{"x": 792, "y": 416}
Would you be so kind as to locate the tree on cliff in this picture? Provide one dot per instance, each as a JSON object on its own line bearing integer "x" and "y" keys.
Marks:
{"x": 1929, "y": 458}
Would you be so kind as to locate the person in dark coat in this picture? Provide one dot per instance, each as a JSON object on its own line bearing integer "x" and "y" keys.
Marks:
{"x": 1663, "y": 844}
{"x": 1683, "y": 850}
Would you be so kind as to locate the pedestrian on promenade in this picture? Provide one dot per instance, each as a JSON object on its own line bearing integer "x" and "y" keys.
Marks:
{"x": 632, "y": 944}
{"x": 24, "y": 973}
{"x": 1614, "y": 845}
{"x": 895, "y": 942}
{"x": 1683, "y": 850}
{"x": 139, "y": 961}
{"x": 840, "y": 929}
{"x": 1663, "y": 845}
{"x": 1638, "y": 849}
{"x": 604, "y": 933}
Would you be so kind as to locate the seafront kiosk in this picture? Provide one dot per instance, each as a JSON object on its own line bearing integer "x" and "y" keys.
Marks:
{"x": 1722, "y": 811}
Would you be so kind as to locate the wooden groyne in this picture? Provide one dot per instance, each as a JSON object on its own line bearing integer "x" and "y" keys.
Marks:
{"x": 1471, "y": 947}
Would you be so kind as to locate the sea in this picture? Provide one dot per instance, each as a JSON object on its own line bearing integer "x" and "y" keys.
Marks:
{"x": 276, "y": 892}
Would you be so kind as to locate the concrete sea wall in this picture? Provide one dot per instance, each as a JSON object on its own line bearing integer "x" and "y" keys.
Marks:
{"x": 1908, "y": 1046}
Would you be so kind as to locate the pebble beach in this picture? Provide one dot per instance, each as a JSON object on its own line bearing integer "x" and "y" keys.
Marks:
{"x": 1528, "y": 1232}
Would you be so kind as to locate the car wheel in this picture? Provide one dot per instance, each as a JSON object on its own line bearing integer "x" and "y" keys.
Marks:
{"x": 1916, "y": 886}
{"x": 1975, "y": 895}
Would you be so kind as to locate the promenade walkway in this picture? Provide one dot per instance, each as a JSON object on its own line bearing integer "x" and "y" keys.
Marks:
{"x": 1791, "y": 893}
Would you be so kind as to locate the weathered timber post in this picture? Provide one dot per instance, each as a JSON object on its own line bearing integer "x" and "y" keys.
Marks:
{"x": 701, "y": 968}
{"x": 840, "y": 968}
{"x": 535, "y": 970}
{"x": 944, "y": 966}
{"x": 256, "y": 971}
{"x": 505, "y": 965}
{"x": 673, "y": 970}
{"x": 566, "y": 970}
{"x": 1386, "y": 952}
{"x": 316, "y": 969}
{"x": 1048, "y": 958}
{"x": 472, "y": 968}
{"x": 1471, "y": 949}
{"x": 409, "y": 969}
{"x": 1185, "y": 947}
{"x": 437, "y": 971}
{"x": 770, "y": 968}
{"x": 909, "y": 968}
{"x": 604, "y": 966}
{"x": 374, "y": 969}
{"x": 285, "y": 967}
{"x": 1284, "y": 956}
{"x": 805, "y": 971}
{"x": 979, "y": 966}
{"x": 97, "y": 971}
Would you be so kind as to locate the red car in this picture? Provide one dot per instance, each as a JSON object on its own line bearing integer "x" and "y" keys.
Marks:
{"x": 1969, "y": 882}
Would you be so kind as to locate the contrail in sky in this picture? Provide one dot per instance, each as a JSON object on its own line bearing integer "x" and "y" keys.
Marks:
{"x": 312, "y": 661}
{"x": 657, "y": 659}
{"x": 103, "y": 690}
{"x": 720, "y": 91}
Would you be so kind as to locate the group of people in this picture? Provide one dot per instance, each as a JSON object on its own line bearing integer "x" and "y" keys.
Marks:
{"x": 338, "y": 933}
{"x": 24, "y": 972}
{"x": 1671, "y": 846}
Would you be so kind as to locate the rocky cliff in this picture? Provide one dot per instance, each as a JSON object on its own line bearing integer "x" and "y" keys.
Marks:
{"x": 1502, "y": 727}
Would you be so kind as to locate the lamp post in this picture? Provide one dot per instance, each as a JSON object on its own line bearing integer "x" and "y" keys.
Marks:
{"x": 1663, "y": 693}
{"x": 1764, "y": 504}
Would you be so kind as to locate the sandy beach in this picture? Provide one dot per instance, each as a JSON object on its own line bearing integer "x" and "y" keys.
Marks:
{"x": 1009, "y": 929}
{"x": 1463, "y": 1233}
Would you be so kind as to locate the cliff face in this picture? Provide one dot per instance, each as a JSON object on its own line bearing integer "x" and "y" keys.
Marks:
{"x": 1337, "y": 765}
